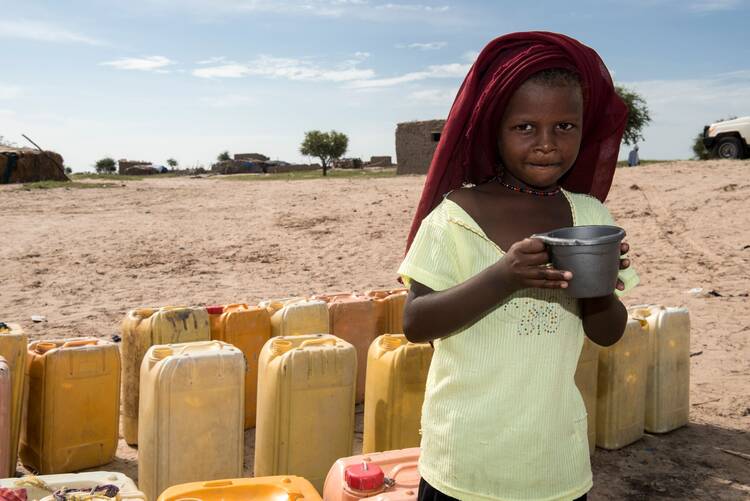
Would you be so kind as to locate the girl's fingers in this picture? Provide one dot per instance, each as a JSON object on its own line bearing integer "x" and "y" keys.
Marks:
{"x": 548, "y": 284}
{"x": 549, "y": 274}
{"x": 620, "y": 286}
{"x": 624, "y": 263}
{"x": 624, "y": 248}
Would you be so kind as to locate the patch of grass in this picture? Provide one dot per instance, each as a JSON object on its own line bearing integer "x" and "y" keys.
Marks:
{"x": 51, "y": 185}
{"x": 624, "y": 163}
{"x": 315, "y": 174}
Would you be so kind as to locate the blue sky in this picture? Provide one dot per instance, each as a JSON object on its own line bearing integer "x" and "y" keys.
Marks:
{"x": 188, "y": 79}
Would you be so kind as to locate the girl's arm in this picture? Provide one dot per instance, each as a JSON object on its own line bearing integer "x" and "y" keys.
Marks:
{"x": 604, "y": 319}
{"x": 431, "y": 314}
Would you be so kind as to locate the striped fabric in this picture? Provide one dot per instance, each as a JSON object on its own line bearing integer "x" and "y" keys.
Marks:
{"x": 502, "y": 417}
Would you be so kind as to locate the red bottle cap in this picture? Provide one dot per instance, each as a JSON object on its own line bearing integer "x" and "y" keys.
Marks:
{"x": 364, "y": 477}
{"x": 215, "y": 310}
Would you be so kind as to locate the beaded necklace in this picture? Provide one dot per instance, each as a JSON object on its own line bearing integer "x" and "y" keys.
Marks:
{"x": 519, "y": 189}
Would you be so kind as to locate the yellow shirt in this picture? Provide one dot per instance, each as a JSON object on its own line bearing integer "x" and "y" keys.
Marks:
{"x": 502, "y": 417}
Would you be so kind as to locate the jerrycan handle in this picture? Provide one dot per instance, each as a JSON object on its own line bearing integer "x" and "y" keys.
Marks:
{"x": 80, "y": 342}
{"x": 317, "y": 342}
{"x": 218, "y": 483}
{"x": 235, "y": 306}
{"x": 411, "y": 465}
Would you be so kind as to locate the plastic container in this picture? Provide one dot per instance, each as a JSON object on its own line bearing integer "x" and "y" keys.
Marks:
{"x": 586, "y": 380}
{"x": 13, "y": 343}
{"x": 392, "y": 312}
{"x": 297, "y": 316}
{"x": 391, "y": 475}
{"x": 621, "y": 388}
{"x": 356, "y": 320}
{"x": 668, "y": 385}
{"x": 305, "y": 406}
{"x": 192, "y": 413}
{"x": 73, "y": 405}
{"x": 280, "y": 488}
{"x": 248, "y": 328}
{"x": 396, "y": 379}
{"x": 6, "y": 403}
{"x": 143, "y": 328}
{"x": 40, "y": 488}
{"x": 592, "y": 253}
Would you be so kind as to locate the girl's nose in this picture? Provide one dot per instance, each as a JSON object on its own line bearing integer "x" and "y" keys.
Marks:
{"x": 546, "y": 143}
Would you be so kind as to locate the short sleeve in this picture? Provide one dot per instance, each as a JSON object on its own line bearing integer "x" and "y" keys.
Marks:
{"x": 628, "y": 276}
{"x": 432, "y": 258}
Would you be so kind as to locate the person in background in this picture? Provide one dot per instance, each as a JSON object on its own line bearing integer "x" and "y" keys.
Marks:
{"x": 633, "y": 159}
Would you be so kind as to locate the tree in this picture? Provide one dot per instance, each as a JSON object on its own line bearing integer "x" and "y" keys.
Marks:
{"x": 224, "y": 155}
{"x": 105, "y": 166}
{"x": 699, "y": 149}
{"x": 327, "y": 146}
{"x": 172, "y": 163}
{"x": 638, "y": 115}
{"x": 68, "y": 170}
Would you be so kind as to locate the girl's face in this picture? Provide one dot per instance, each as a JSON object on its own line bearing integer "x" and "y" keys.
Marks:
{"x": 540, "y": 133}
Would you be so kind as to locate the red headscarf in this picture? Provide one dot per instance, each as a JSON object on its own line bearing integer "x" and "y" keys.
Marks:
{"x": 468, "y": 151}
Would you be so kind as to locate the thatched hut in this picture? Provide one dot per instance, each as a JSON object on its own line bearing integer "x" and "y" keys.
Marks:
{"x": 24, "y": 165}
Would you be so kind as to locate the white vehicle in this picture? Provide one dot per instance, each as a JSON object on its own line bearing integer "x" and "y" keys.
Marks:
{"x": 728, "y": 139}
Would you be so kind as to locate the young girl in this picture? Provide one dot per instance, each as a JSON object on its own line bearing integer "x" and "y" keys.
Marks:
{"x": 502, "y": 417}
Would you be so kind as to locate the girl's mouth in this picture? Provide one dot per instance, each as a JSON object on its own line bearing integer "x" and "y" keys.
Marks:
{"x": 544, "y": 166}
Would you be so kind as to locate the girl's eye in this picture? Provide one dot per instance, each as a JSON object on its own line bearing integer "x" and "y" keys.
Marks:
{"x": 566, "y": 126}
{"x": 523, "y": 127}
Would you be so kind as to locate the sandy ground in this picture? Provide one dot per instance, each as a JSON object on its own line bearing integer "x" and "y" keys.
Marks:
{"x": 83, "y": 257}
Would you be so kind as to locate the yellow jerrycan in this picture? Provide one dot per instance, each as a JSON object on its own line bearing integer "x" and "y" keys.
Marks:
{"x": 621, "y": 388}
{"x": 5, "y": 406}
{"x": 396, "y": 379}
{"x": 13, "y": 344}
{"x": 143, "y": 328}
{"x": 586, "y": 377}
{"x": 295, "y": 316}
{"x": 668, "y": 385}
{"x": 73, "y": 405}
{"x": 392, "y": 311}
{"x": 248, "y": 328}
{"x": 305, "y": 406}
{"x": 280, "y": 488}
{"x": 191, "y": 415}
{"x": 355, "y": 319}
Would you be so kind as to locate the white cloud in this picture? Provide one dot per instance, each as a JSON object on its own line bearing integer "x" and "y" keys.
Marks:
{"x": 287, "y": 68}
{"x": 212, "y": 60}
{"x": 412, "y": 7}
{"x": 149, "y": 63}
{"x": 422, "y": 46}
{"x": 42, "y": 32}
{"x": 9, "y": 91}
{"x": 470, "y": 56}
{"x": 714, "y": 5}
{"x": 453, "y": 70}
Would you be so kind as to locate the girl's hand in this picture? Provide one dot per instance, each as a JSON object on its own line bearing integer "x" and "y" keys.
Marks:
{"x": 526, "y": 264}
{"x": 624, "y": 263}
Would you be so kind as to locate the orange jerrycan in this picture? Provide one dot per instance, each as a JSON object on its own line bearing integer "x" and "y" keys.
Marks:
{"x": 191, "y": 415}
{"x": 621, "y": 388}
{"x": 5, "y": 412}
{"x": 73, "y": 405}
{"x": 42, "y": 487}
{"x": 247, "y": 328}
{"x": 281, "y": 488}
{"x": 668, "y": 385}
{"x": 586, "y": 380}
{"x": 295, "y": 316}
{"x": 382, "y": 476}
{"x": 143, "y": 328}
{"x": 396, "y": 379}
{"x": 305, "y": 406}
{"x": 355, "y": 319}
{"x": 13, "y": 343}
{"x": 392, "y": 313}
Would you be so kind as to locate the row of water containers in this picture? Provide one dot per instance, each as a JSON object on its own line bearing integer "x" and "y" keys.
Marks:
{"x": 205, "y": 374}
